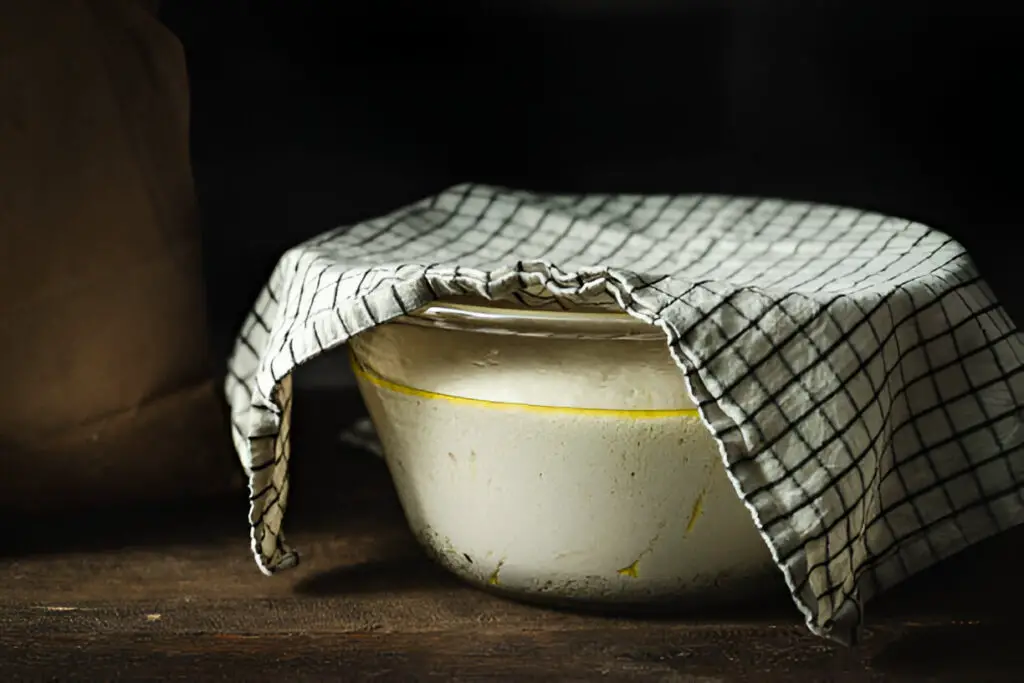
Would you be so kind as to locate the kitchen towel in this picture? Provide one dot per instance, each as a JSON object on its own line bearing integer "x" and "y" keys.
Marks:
{"x": 861, "y": 380}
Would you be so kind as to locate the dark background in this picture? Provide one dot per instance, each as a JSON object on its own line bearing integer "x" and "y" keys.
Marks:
{"x": 309, "y": 114}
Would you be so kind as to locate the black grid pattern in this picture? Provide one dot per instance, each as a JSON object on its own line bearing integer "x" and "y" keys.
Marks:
{"x": 860, "y": 378}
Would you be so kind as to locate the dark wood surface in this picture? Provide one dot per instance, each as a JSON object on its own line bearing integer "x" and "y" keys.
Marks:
{"x": 172, "y": 594}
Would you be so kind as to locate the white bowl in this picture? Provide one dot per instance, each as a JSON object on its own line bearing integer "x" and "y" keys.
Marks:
{"x": 557, "y": 456}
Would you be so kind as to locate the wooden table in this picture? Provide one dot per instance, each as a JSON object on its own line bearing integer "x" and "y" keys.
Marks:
{"x": 171, "y": 593}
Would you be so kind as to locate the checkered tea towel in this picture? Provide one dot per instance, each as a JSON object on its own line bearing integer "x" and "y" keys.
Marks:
{"x": 862, "y": 382}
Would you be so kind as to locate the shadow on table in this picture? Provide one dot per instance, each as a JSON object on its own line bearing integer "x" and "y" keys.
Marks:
{"x": 956, "y": 648}
{"x": 405, "y": 570}
{"x": 963, "y": 615}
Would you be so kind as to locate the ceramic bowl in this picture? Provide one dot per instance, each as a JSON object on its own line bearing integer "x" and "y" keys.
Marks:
{"x": 557, "y": 456}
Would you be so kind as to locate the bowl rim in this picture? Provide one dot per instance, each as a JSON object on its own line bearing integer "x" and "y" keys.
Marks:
{"x": 363, "y": 372}
{"x": 504, "y": 317}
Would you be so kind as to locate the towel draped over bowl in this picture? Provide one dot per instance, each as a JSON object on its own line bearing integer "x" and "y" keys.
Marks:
{"x": 861, "y": 380}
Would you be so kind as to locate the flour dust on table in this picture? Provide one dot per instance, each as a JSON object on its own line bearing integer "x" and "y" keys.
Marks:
{"x": 862, "y": 383}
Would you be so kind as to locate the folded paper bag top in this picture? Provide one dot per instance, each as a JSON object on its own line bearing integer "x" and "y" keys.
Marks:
{"x": 107, "y": 395}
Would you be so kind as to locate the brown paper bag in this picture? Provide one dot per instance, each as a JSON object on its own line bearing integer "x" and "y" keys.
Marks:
{"x": 106, "y": 394}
